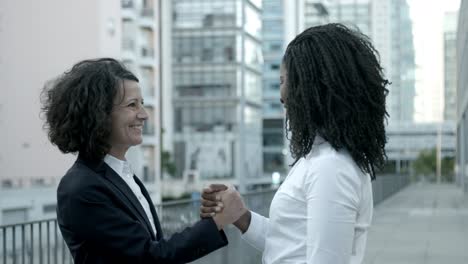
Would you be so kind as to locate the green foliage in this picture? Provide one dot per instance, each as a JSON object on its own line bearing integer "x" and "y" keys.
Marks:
{"x": 167, "y": 165}
{"x": 426, "y": 164}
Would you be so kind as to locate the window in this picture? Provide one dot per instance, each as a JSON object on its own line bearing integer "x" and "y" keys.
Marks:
{"x": 274, "y": 86}
{"x": 273, "y": 162}
{"x": 274, "y": 66}
{"x": 275, "y": 47}
{"x": 16, "y": 215}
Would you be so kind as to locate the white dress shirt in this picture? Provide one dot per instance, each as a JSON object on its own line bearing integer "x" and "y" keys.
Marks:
{"x": 319, "y": 215}
{"x": 123, "y": 169}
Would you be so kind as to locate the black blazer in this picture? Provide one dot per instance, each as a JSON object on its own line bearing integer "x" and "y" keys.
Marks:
{"x": 102, "y": 221}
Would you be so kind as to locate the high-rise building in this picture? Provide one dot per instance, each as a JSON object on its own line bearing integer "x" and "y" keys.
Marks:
{"x": 356, "y": 14}
{"x": 216, "y": 90}
{"x": 462, "y": 96}
{"x": 282, "y": 20}
{"x": 316, "y": 12}
{"x": 141, "y": 45}
{"x": 393, "y": 37}
{"x": 273, "y": 117}
{"x": 450, "y": 65}
{"x": 402, "y": 74}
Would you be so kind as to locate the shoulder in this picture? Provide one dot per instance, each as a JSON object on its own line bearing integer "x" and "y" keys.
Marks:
{"x": 79, "y": 180}
{"x": 332, "y": 173}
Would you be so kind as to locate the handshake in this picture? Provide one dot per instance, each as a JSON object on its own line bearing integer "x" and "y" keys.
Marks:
{"x": 226, "y": 206}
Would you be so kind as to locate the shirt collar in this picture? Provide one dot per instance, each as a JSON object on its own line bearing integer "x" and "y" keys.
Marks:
{"x": 319, "y": 144}
{"x": 121, "y": 167}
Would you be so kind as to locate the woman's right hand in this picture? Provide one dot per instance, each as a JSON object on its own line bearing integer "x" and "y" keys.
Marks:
{"x": 226, "y": 206}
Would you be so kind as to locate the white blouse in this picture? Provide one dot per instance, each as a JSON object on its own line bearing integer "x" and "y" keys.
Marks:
{"x": 319, "y": 215}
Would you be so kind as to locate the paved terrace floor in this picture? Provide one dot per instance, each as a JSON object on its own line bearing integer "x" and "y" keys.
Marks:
{"x": 422, "y": 224}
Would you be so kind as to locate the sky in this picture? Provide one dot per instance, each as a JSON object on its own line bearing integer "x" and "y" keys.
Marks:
{"x": 427, "y": 17}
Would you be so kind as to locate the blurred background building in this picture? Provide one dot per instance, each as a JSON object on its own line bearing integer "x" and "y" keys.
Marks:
{"x": 140, "y": 51}
{"x": 462, "y": 96}
{"x": 274, "y": 140}
{"x": 216, "y": 93}
{"x": 450, "y": 65}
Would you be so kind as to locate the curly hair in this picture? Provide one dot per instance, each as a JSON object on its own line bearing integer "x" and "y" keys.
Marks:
{"x": 77, "y": 106}
{"x": 336, "y": 89}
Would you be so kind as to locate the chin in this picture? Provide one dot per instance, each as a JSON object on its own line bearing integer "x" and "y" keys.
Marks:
{"x": 137, "y": 141}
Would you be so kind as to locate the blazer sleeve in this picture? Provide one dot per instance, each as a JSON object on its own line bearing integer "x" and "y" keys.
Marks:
{"x": 108, "y": 229}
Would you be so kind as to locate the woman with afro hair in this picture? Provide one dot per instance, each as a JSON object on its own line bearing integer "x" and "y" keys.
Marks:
{"x": 333, "y": 91}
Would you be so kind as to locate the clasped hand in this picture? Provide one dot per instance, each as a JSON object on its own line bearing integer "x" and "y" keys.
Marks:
{"x": 223, "y": 203}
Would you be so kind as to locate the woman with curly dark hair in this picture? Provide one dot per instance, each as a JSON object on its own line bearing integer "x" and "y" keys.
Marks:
{"x": 104, "y": 212}
{"x": 333, "y": 90}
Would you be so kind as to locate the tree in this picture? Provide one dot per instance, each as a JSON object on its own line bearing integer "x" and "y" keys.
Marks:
{"x": 167, "y": 165}
{"x": 426, "y": 164}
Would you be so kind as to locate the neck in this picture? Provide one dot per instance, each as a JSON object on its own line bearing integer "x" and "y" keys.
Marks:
{"x": 118, "y": 152}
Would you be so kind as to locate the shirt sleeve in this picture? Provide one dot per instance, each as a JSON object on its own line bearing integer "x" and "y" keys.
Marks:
{"x": 332, "y": 205}
{"x": 256, "y": 233}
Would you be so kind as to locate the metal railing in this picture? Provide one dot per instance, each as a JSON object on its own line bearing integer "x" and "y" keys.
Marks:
{"x": 33, "y": 242}
{"x": 41, "y": 241}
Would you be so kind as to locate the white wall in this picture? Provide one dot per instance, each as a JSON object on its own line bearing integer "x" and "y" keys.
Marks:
{"x": 39, "y": 40}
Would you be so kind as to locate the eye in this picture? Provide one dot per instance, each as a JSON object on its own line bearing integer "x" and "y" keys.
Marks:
{"x": 132, "y": 104}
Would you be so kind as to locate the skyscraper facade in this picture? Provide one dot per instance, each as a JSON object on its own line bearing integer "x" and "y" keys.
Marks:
{"x": 140, "y": 42}
{"x": 216, "y": 92}
{"x": 280, "y": 18}
{"x": 462, "y": 96}
{"x": 273, "y": 117}
{"x": 450, "y": 65}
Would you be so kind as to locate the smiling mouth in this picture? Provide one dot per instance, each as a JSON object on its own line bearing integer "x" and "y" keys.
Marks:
{"x": 139, "y": 127}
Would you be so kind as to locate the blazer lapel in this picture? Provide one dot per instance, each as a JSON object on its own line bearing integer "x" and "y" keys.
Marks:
{"x": 159, "y": 233}
{"x": 125, "y": 191}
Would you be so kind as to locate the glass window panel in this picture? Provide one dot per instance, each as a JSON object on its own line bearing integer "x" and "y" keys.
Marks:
{"x": 253, "y": 88}
{"x": 253, "y": 23}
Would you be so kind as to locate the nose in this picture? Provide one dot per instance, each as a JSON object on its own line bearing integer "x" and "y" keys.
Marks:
{"x": 142, "y": 114}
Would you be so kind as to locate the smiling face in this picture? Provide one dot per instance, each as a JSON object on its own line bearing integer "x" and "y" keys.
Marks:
{"x": 128, "y": 117}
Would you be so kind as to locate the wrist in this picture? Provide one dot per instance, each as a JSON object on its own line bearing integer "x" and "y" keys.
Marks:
{"x": 218, "y": 222}
{"x": 243, "y": 222}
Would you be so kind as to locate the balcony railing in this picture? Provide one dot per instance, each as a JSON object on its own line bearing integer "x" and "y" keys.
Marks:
{"x": 41, "y": 241}
{"x": 33, "y": 242}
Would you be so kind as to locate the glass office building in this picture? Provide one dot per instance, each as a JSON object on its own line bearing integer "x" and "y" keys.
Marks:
{"x": 216, "y": 61}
